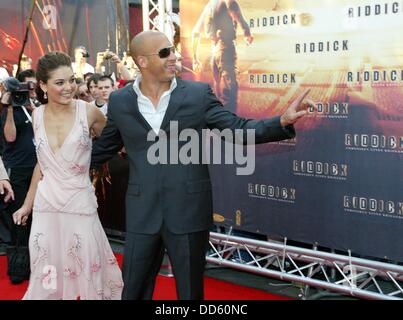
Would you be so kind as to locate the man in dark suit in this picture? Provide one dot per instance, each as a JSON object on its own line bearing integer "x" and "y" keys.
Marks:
{"x": 169, "y": 206}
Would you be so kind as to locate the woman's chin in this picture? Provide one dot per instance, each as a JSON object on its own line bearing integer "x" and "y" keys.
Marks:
{"x": 64, "y": 101}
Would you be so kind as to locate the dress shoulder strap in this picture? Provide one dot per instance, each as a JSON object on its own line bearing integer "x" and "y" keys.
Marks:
{"x": 82, "y": 114}
{"x": 37, "y": 117}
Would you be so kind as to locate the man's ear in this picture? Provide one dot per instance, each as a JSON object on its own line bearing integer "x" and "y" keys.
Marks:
{"x": 142, "y": 62}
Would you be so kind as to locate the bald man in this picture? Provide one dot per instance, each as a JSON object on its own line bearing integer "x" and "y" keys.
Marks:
{"x": 169, "y": 204}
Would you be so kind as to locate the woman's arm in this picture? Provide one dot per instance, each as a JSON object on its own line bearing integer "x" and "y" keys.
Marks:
{"x": 22, "y": 214}
{"x": 96, "y": 120}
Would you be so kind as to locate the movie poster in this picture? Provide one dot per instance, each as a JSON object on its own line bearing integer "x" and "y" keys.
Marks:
{"x": 339, "y": 182}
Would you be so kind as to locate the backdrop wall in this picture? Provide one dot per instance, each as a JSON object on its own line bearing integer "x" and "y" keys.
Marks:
{"x": 339, "y": 183}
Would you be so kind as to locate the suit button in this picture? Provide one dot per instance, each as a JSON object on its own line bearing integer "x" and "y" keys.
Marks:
{"x": 157, "y": 138}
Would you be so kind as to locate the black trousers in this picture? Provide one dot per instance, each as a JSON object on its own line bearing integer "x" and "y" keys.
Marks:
{"x": 143, "y": 255}
{"x": 20, "y": 179}
{"x": 5, "y": 236}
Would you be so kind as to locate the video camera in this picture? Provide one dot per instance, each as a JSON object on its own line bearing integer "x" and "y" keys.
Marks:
{"x": 85, "y": 54}
{"x": 19, "y": 91}
{"x": 106, "y": 54}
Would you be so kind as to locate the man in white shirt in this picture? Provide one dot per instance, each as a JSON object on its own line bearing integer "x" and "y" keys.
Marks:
{"x": 153, "y": 114}
{"x": 169, "y": 204}
{"x": 80, "y": 65}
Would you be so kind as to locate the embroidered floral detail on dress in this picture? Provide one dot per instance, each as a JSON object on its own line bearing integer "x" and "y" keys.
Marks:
{"x": 78, "y": 169}
{"x": 73, "y": 253}
{"x": 41, "y": 251}
{"x": 70, "y": 274}
{"x": 95, "y": 267}
{"x": 38, "y": 145}
{"x": 85, "y": 141}
{"x": 114, "y": 290}
{"x": 39, "y": 153}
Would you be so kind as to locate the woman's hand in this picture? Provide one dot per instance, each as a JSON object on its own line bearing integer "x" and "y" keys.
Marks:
{"x": 20, "y": 217}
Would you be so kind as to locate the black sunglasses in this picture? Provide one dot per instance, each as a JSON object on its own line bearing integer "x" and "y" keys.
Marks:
{"x": 163, "y": 53}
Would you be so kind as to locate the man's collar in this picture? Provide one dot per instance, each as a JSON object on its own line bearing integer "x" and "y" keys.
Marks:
{"x": 136, "y": 85}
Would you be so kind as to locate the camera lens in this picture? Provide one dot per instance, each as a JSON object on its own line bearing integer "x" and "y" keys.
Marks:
{"x": 19, "y": 98}
{"x": 19, "y": 91}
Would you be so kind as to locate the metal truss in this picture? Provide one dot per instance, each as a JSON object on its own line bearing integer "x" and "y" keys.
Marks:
{"x": 157, "y": 16}
{"x": 348, "y": 275}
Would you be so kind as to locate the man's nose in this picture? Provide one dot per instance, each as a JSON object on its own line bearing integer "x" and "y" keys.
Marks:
{"x": 172, "y": 55}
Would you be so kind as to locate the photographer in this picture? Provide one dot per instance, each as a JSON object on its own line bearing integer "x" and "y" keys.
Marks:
{"x": 80, "y": 65}
{"x": 107, "y": 56}
{"x": 19, "y": 158}
{"x": 128, "y": 62}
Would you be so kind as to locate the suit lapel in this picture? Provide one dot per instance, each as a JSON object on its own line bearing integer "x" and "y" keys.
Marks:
{"x": 134, "y": 107}
{"x": 175, "y": 102}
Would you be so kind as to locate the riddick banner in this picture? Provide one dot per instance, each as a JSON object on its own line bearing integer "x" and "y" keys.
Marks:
{"x": 339, "y": 182}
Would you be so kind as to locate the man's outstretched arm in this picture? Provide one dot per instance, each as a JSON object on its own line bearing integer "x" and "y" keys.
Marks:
{"x": 266, "y": 130}
{"x": 107, "y": 145}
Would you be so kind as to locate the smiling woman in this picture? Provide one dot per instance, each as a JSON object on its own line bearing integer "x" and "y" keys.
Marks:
{"x": 47, "y": 66}
{"x": 70, "y": 254}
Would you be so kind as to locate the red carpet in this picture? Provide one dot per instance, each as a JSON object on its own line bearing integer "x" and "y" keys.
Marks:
{"x": 165, "y": 288}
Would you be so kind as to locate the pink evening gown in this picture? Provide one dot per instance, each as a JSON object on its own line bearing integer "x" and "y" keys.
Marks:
{"x": 70, "y": 254}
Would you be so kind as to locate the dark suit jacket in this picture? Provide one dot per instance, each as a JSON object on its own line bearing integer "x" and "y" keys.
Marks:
{"x": 178, "y": 194}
